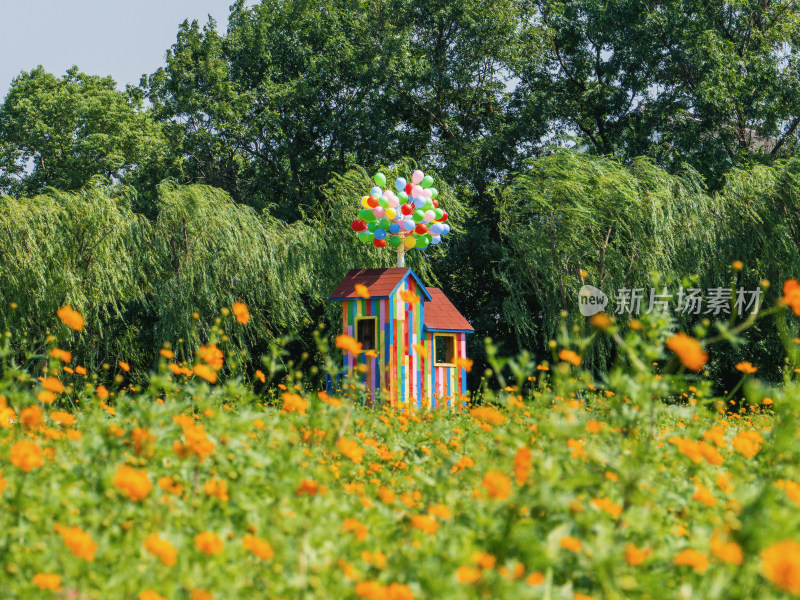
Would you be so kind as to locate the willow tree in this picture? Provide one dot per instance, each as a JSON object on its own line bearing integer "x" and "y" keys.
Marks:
{"x": 84, "y": 249}
{"x": 567, "y": 213}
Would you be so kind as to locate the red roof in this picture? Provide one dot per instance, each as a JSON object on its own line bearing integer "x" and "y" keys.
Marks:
{"x": 441, "y": 314}
{"x": 380, "y": 282}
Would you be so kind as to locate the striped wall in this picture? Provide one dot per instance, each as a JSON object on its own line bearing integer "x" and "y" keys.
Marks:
{"x": 398, "y": 372}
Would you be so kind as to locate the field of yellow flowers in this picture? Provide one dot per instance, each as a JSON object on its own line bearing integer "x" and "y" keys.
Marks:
{"x": 191, "y": 486}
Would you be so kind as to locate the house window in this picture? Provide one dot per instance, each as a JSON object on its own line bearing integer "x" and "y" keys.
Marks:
{"x": 445, "y": 348}
{"x": 366, "y": 330}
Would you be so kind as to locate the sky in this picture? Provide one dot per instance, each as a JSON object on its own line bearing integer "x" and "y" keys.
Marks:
{"x": 121, "y": 38}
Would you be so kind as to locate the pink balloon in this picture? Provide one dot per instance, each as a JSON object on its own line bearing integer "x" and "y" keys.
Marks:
{"x": 393, "y": 202}
{"x": 427, "y": 193}
{"x": 416, "y": 191}
{"x": 429, "y": 216}
{"x": 379, "y": 212}
{"x": 417, "y": 176}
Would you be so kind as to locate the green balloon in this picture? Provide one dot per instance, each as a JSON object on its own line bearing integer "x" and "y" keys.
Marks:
{"x": 422, "y": 242}
{"x": 438, "y": 212}
{"x": 366, "y": 215}
{"x": 380, "y": 179}
{"x": 426, "y": 182}
{"x": 428, "y": 237}
{"x": 385, "y": 223}
{"x": 403, "y": 196}
{"x": 418, "y": 216}
{"x": 383, "y": 202}
{"x": 365, "y": 236}
{"x": 428, "y": 206}
{"x": 435, "y": 192}
{"x": 395, "y": 241}
{"x": 373, "y": 226}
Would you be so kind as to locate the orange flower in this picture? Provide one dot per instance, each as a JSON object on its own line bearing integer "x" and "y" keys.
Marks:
{"x": 468, "y": 574}
{"x": 294, "y": 403}
{"x": 260, "y": 376}
{"x": 124, "y": 366}
{"x": 791, "y": 295}
{"x": 31, "y": 416}
{"x": 257, "y": 546}
{"x": 746, "y": 368}
{"x": 570, "y": 357}
{"x": 440, "y": 511}
{"x": 361, "y": 291}
{"x": 168, "y": 354}
{"x": 208, "y": 542}
{"x": 488, "y": 414}
{"x": 63, "y": 418}
{"x": 464, "y": 362}
{"x": 241, "y": 313}
{"x": 102, "y": 392}
{"x": 497, "y": 485}
{"x": 593, "y": 426}
{"x": 571, "y": 543}
{"x": 150, "y": 595}
{"x": 71, "y": 317}
{"x": 201, "y": 595}
{"x": 729, "y": 552}
{"x": 781, "y": 565}
{"x": 634, "y": 556}
{"x": 132, "y": 483}
{"x": 748, "y": 443}
{"x": 522, "y": 464}
{"x": 80, "y": 370}
{"x": 62, "y": 355}
{"x": 79, "y": 542}
{"x": 206, "y": 373}
{"x": 26, "y": 455}
{"x": 703, "y": 495}
{"x": 309, "y": 487}
{"x": 535, "y": 578}
{"x": 600, "y": 321}
{"x": 351, "y": 450}
{"x": 409, "y": 296}
{"x": 425, "y": 523}
{"x": 607, "y": 505}
{"x": 692, "y": 558}
{"x": 689, "y": 351}
{"x": 345, "y": 342}
{"x": 212, "y": 356}
{"x": 218, "y": 488}
{"x": 356, "y": 528}
{"x": 51, "y": 384}
{"x": 162, "y": 549}
{"x": 47, "y": 581}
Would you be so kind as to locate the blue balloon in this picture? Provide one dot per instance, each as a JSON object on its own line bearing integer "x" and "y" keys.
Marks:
{"x": 380, "y": 233}
{"x": 436, "y": 229}
{"x": 409, "y": 225}
{"x": 435, "y": 239}
{"x": 420, "y": 202}
{"x": 376, "y": 191}
{"x": 394, "y": 228}
{"x": 445, "y": 228}
{"x": 400, "y": 184}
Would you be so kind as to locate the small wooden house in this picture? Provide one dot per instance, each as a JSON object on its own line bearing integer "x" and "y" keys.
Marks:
{"x": 411, "y": 337}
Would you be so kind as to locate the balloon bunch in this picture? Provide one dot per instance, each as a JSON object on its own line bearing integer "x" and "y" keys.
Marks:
{"x": 410, "y": 218}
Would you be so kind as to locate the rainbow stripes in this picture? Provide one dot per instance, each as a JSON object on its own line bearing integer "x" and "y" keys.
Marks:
{"x": 401, "y": 369}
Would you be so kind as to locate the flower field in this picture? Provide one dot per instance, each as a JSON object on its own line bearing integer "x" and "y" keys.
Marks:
{"x": 186, "y": 486}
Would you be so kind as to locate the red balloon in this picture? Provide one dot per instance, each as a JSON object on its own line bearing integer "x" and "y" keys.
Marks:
{"x": 409, "y": 187}
{"x": 435, "y": 203}
{"x": 421, "y": 229}
{"x": 372, "y": 201}
{"x": 444, "y": 216}
{"x": 378, "y": 243}
{"x": 407, "y": 209}
{"x": 358, "y": 225}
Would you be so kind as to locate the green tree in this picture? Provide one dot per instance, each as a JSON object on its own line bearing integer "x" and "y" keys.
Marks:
{"x": 61, "y": 132}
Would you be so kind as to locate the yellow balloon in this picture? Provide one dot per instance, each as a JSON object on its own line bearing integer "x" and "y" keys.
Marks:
{"x": 410, "y": 242}
{"x": 391, "y": 213}
{"x": 364, "y": 201}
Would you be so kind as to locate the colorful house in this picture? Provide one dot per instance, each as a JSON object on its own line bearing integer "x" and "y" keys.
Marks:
{"x": 412, "y": 338}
